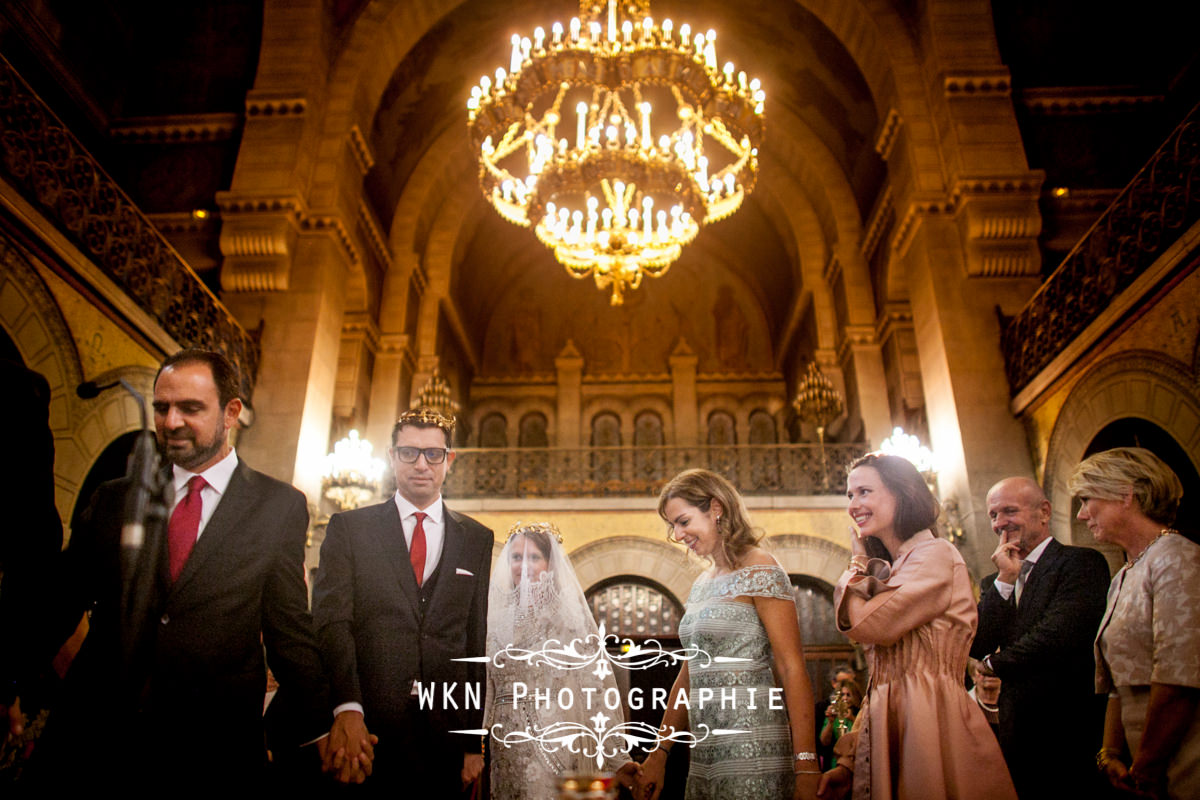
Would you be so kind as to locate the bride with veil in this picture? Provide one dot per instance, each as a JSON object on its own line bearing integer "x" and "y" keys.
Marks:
{"x": 534, "y": 600}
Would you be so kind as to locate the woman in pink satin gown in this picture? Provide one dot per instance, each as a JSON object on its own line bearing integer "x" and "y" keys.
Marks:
{"x": 906, "y": 596}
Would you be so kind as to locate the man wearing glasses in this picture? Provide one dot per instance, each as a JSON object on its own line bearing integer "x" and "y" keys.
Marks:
{"x": 401, "y": 592}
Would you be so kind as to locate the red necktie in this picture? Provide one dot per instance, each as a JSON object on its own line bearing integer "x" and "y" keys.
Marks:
{"x": 416, "y": 553}
{"x": 184, "y": 526}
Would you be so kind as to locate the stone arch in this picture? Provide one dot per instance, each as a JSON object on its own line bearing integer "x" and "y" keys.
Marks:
{"x": 31, "y": 317}
{"x": 1135, "y": 383}
{"x": 801, "y": 554}
{"x": 656, "y": 561}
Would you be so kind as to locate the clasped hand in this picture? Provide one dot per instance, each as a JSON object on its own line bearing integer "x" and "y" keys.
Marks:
{"x": 349, "y": 750}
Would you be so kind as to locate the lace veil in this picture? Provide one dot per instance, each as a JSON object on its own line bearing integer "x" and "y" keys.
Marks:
{"x": 528, "y": 607}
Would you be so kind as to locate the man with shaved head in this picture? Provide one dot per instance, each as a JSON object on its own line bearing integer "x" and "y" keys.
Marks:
{"x": 1038, "y": 616}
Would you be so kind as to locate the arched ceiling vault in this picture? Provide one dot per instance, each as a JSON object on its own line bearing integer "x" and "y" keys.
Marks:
{"x": 404, "y": 70}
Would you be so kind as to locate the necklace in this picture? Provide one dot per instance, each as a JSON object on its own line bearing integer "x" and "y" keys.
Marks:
{"x": 985, "y": 706}
{"x": 1162, "y": 533}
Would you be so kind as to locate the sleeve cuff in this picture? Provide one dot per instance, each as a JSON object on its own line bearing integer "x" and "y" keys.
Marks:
{"x": 1005, "y": 589}
{"x": 348, "y": 707}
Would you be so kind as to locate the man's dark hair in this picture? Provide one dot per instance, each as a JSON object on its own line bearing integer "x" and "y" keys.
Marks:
{"x": 225, "y": 375}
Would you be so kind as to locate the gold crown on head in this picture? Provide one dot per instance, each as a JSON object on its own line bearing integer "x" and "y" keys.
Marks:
{"x": 427, "y": 416}
{"x": 548, "y": 528}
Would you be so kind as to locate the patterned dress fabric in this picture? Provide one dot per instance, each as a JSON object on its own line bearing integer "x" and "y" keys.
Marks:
{"x": 919, "y": 736}
{"x": 756, "y": 764}
{"x": 1151, "y": 634}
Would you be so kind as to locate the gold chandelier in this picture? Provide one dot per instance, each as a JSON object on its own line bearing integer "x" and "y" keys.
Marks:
{"x": 664, "y": 140}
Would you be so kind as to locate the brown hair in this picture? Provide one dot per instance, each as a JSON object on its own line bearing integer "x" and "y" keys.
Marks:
{"x": 916, "y": 507}
{"x": 698, "y": 488}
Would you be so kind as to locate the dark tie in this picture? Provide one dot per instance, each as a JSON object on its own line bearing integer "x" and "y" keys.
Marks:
{"x": 416, "y": 553}
{"x": 1022, "y": 579}
{"x": 185, "y": 526}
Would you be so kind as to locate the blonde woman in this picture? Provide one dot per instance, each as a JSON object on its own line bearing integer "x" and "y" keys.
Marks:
{"x": 1148, "y": 647}
{"x": 741, "y": 607}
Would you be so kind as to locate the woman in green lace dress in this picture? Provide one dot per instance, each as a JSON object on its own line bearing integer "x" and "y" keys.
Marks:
{"x": 755, "y": 735}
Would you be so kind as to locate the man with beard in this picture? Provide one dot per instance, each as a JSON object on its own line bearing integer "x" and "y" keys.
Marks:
{"x": 230, "y": 584}
{"x": 1038, "y": 616}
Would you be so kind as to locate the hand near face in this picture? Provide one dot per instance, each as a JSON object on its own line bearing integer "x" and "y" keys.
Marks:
{"x": 857, "y": 548}
{"x": 1007, "y": 559}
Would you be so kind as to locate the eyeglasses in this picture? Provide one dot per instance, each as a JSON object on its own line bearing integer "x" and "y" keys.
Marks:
{"x": 409, "y": 455}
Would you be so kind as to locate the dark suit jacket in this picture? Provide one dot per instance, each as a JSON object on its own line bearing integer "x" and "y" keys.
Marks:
{"x": 200, "y": 712}
{"x": 376, "y": 641}
{"x": 1045, "y": 666}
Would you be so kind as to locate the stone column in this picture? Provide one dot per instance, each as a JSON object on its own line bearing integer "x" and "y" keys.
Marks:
{"x": 569, "y": 365}
{"x": 389, "y": 385}
{"x": 301, "y": 336}
{"x": 683, "y": 391}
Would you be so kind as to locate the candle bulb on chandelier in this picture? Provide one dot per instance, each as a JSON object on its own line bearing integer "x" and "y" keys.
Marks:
{"x": 644, "y": 108}
{"x": 612, "y": 20}
{"x": 575, "y": 30}
{"x": 539, "y": 36}
{"x": 667, "y": 26}
{"x": 514, "y": 63}
{"x": 710, "y": 49}
{"x": 627, "y": 32}
{"x": 647, "y": 30}
{"x": 581, "y": 110}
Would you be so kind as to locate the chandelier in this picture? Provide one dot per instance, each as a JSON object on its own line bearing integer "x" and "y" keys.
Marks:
{"x": 818, "y": 403}
{"x": 351, "y": 475}
{"x": 664, "y": 140}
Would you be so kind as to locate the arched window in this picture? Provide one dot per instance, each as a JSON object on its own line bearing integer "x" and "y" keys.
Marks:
{"x": 824, "y": 644}
{"x": 648, "y": 433}
{"x": 764, "y": 461}
{"x": 721, "y": 430}
{"x": 606, "y": 432}
{"x": 533, "y": 430}
{"x": 633, "y": 607}
{"x": 534, "y": 466}
{"x": 493, "y": 431}
{"x": 722, "y": 436}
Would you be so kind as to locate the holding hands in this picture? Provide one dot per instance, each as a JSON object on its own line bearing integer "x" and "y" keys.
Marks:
{"x": 349, "y": 750}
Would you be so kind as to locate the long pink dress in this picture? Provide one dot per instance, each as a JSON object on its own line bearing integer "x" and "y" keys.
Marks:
{"x": 920, "y": 735}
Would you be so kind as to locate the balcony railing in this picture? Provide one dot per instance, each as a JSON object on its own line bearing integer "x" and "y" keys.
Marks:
{"x": 1146, "y": 218}
{"x": 788, "y": 469}
{"x": 52, "y": 170}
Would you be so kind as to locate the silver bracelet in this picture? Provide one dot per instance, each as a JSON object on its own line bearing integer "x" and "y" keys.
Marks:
{"x": 805, "y": 757}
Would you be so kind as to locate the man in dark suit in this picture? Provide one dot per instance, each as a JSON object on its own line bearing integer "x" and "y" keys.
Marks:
{"x": 229, "y": 584}
{"x": 1038, "y": 616}
{"x": 401, "y": 592}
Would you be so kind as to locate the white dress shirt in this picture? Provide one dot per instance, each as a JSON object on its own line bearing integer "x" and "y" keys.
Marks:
{"x": 217, "y": 477}
{"x": 434, "y": 526}
{"x": 1006, "y": 589}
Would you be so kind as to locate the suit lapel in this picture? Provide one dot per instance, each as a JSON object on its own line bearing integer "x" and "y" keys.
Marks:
{"x": 452, "y": 545}
{"x": 389, "y": 532}
{"x": 222, "y": 527}
{"x": 1033, "y": 598}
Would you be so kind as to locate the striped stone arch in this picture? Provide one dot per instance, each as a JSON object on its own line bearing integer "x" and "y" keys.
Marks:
{"x": 640, "y": 557}
{"x": 800, "y": 554}
{"x": 1137, "y": 383}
